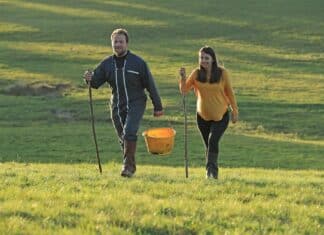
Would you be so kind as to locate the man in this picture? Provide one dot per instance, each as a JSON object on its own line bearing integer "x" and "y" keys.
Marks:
{"x": 128, "y": 76}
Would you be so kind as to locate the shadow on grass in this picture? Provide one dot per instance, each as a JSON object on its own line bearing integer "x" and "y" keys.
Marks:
{"x": 38, "y": 134}
{"x": 72, "y": 143}
{"x": 32, "y": 130}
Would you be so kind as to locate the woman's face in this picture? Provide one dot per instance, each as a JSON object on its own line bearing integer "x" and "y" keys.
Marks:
{"x": 205, "y": 60}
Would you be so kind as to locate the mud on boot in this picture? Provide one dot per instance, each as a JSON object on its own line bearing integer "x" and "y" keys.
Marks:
{"x": 129, "y": 165}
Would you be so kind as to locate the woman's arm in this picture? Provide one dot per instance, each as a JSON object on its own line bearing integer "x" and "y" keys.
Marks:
{"x": 230, "y": 95}
{"x": 186, "y": 85}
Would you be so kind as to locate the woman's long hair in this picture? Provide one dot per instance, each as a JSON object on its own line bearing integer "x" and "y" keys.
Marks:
{"x": 216, "y": 71}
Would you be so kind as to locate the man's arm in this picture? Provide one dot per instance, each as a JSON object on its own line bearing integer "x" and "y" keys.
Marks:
{"x": 150, "y": 86}
{"x": 96, "y": 77}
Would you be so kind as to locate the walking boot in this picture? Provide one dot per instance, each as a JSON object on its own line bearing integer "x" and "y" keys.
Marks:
{"x": 129, "y": 165}
{"x": 212, "y": 165}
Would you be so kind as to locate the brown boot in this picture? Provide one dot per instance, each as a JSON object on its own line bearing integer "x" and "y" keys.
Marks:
{"x": 129, "y": 165}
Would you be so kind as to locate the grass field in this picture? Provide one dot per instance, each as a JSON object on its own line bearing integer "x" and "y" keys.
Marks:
{"x": 271, "y": 162}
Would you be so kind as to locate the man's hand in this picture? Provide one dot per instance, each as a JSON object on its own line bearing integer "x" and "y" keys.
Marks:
{"x": 88, "y": 75}
{"x": 158, "y": 113}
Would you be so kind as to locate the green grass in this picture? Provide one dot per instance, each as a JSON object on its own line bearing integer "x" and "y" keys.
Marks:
{"x": 71, "y": 199}
{"x": 271, "y": 175}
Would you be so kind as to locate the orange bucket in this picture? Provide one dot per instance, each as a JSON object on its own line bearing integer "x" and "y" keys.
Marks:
{"x": 159, "y": 140}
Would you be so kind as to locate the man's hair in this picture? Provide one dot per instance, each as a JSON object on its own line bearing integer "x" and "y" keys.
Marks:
{"x": 120, "y": 31}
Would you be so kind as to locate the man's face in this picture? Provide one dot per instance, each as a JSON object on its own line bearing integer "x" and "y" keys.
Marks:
{"x": 119, "y": 44}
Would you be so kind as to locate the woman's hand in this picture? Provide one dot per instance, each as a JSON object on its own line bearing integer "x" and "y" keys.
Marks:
{"x": 234, "y": 117}
{"x": 182, "y": 73}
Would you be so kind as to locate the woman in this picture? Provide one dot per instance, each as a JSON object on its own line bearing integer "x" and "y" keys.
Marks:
{"x": 215, "y": 97}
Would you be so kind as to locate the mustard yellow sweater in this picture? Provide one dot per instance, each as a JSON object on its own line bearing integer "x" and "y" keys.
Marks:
{"x": 213, "y": 99}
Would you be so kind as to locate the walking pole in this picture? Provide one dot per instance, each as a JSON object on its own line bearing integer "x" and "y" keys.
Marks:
{"x": 93, "y": 127}
{"x": 185, "y": 134}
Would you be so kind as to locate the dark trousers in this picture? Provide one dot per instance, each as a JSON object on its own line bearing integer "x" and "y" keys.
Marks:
{"x": 127, "y": 120}
{"x": 212, "y": 131}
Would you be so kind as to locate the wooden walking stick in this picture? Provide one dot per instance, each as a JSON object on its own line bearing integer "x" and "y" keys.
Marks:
{"x": 93, "y": 127}
{"x": 185, "y": 134}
